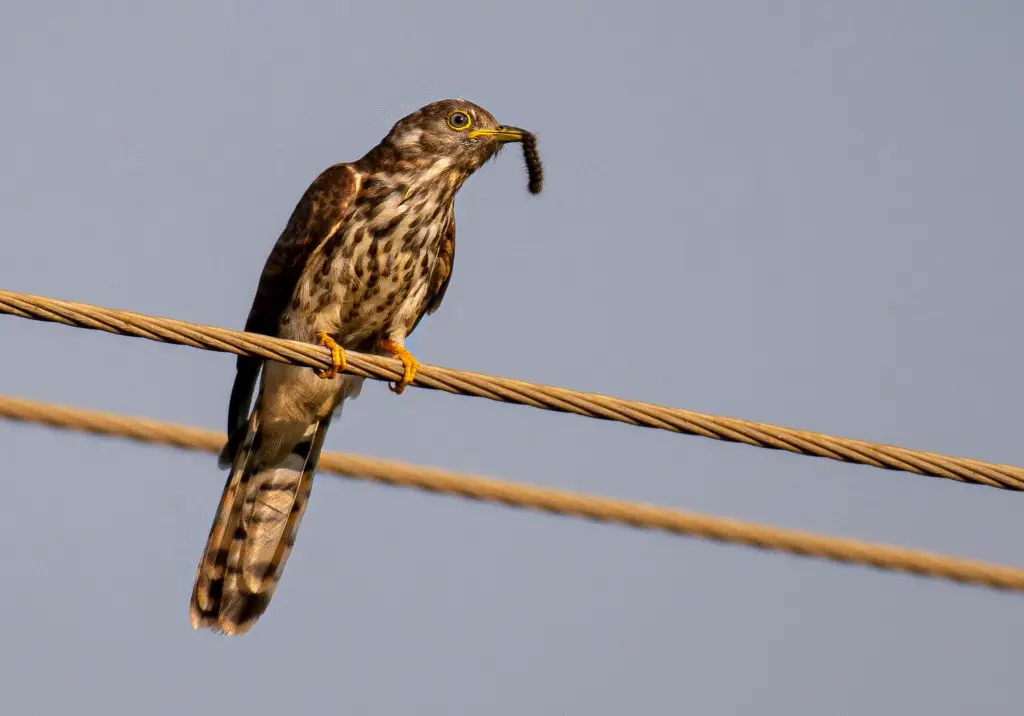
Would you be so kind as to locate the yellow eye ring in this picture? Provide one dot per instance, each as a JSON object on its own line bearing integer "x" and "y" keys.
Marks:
{"x": 456, "y": 118}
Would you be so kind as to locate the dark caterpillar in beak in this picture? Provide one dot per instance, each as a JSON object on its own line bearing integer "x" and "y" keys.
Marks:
{"x": 533, "y": 166}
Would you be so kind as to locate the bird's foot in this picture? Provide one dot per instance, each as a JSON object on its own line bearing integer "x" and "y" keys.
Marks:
{"x": 409, "y": 363}
{"x": 337, "y": 356}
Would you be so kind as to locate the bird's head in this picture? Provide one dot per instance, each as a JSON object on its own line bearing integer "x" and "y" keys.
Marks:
{"x": 453, "y": 132}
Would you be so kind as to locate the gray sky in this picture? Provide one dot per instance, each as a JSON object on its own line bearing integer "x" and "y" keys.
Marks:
{"x": 797, "y": 212}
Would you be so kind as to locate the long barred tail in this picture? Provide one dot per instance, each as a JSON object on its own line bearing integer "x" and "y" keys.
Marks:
{"x": 253, "y": 533}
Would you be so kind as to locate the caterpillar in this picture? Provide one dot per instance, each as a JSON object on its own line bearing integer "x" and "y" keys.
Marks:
{"x": 534, "y": 169}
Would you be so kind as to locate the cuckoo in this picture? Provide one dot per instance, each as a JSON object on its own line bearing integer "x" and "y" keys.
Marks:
{"x": 366, "y": 254}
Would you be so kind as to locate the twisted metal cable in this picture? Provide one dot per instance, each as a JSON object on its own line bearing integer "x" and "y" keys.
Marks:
{"x": 508, "y": 390}
{"x": 559, "y": 502}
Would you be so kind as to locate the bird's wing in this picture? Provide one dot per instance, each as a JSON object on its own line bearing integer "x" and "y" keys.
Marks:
{"x": 316, "y": 218}
{"x": 442, "y": 273}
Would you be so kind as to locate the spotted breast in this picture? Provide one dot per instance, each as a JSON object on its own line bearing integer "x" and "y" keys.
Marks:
{"x": 372, "y": 278}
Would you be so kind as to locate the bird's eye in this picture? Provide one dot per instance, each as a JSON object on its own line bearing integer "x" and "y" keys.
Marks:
{"x": 459, "y": 120}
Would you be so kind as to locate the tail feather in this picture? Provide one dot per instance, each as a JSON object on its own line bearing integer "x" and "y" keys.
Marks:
{"x": 253, "y": 533}
{"x": 206, "y": 594}
{"x": 275, "y": 501}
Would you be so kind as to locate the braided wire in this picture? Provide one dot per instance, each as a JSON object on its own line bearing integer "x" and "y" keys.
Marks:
{"x": 508, "y": 390}
{"x": 558, "y": 502}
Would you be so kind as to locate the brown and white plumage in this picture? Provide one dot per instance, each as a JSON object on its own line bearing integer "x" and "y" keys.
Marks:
{"x": 368, "y": 252}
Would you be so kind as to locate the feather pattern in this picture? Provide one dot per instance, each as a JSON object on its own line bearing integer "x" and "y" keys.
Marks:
{"x": 253, "y": 533}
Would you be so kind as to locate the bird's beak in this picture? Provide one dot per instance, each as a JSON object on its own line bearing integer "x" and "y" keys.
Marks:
{"x": 503, "y": 133}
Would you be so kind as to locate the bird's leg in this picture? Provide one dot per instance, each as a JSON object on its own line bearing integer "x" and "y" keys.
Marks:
{"x": 337, "y": 356}
{"x": 410, "y": 364}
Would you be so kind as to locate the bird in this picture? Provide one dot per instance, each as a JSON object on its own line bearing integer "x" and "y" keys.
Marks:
{"x": 367, "y": 253}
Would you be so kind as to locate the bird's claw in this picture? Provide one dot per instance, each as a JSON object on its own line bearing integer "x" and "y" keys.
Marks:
{"x": 409, "y": 364}
{"x": 337, "y": 357}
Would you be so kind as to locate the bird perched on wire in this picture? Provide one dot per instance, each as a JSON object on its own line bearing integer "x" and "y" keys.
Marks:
{"x": 367, "y": 253}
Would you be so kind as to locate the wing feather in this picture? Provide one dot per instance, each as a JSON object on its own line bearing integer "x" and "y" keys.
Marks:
{"x": 318, "y": 215}
{"x": 442, "y": 273}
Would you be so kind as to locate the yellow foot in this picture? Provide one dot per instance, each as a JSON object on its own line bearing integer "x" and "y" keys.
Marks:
{"x": 410, "y": 363}
{"x": 337, "y": 357}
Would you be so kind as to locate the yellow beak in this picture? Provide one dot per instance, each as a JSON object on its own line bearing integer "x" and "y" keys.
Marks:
{"x": 502, "y": 134}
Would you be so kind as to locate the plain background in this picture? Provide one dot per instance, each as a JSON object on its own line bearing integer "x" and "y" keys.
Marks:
{"x": 806, "y": 213}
